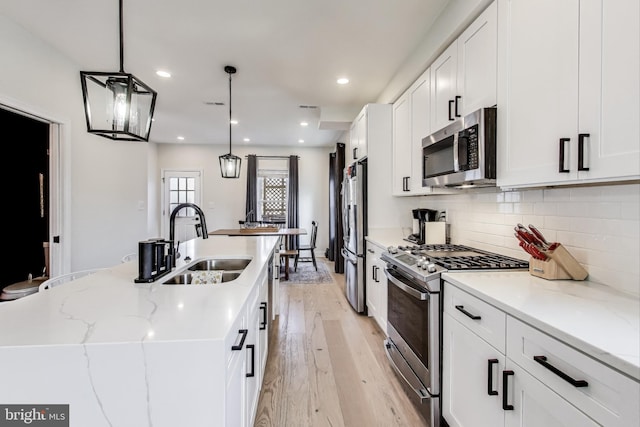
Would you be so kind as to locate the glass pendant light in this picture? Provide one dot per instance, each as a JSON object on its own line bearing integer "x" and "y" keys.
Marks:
{"x": 230, "y": 164}
{"x": 117, "y": 105}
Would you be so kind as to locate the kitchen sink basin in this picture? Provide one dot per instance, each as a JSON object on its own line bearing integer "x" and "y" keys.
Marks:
{"x": 221, "y": 264}
{"x": 188, "y": 277}
{"x": 210, "y": 271}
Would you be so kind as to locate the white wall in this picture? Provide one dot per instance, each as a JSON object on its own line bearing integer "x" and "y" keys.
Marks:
{"x": 107, "y": 180}
{"x": 224, "y": 199}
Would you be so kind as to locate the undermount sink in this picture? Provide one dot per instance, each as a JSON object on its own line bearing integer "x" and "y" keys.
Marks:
{"x": 186, "y": 278}
{"x": 221, "y": 264}
{"x": 210, "y": 271}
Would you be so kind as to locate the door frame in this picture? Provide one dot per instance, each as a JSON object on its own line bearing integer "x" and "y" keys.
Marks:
{"x": 59, "y": 181}
{"x": 164, "y": 199}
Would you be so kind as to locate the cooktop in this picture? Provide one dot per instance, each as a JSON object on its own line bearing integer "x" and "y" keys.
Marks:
{"x": 458, "y": 257}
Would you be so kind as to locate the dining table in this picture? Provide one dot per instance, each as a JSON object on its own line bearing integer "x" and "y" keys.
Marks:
{"x": 285, "y": 253}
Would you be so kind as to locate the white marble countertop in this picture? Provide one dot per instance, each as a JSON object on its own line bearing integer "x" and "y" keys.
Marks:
{"x": 593, "y": 318}
{"x": 386, "y": 237}
{"x": 108, "y": 307}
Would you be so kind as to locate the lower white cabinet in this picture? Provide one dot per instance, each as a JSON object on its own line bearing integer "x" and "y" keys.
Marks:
{"x": 499, "y": 371}
{"x": 376, "y": 283}
{"x": 246, "y": 359}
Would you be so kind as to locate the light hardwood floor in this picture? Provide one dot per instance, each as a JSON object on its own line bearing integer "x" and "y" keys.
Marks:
{"x": 327, "y": 366}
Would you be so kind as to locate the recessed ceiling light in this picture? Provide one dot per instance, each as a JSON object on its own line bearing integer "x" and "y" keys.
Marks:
{"x": 162, "y": 73}
{"x": 301, "y": 141}
{"x": 181, "y": 138}
{"x": 246, "y": 140}
{"x": 343, "y": 81}
{"x": 234, "y": 122}
{"x": 304, "y": 124}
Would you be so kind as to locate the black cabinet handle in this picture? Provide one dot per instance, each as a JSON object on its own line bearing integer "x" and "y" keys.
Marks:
{"x": 458, "y": 97}
{"x": 405, "y": 183}
{"x": 243, "y": 332}
{"x": 581, "y": 137}
{"x": 253, "y": 360}
{"x": 450, "y": 113}
{"x": 263, "y": 324}
{"x": 505, "y": 389}
{"x": 543, "y": 361}
{"x": 355, "y": 156}
{"x": 490, "y": 390}
{"x": 466, "y": 313}
{"x": 375, "y": 273}
{"x": 561, "y": 168}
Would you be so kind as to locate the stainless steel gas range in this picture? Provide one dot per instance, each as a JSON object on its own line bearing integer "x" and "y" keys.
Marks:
{"x": 414, "y": 313}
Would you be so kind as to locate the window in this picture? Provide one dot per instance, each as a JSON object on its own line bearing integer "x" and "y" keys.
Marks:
{"x": 272, "y": 194}
{"x": 182, "y": 190}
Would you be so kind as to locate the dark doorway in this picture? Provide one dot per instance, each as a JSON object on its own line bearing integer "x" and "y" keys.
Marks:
{"x": 25, "y": 174}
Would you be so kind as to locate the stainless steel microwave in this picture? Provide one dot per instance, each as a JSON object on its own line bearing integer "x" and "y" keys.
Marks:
{"x": 463, "y": 154}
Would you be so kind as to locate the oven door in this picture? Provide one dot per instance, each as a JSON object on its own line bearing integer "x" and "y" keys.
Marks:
{"x": 413, "y": 322}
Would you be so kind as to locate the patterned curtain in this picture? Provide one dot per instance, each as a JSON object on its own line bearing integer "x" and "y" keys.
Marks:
{"x": 292, "y": 208}
{"x": 251, "y": 209}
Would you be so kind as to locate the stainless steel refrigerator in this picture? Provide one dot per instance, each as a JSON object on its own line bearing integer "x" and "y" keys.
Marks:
{"x": 354, "y": 194}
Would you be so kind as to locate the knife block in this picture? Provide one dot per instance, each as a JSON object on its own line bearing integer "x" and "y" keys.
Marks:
{"x": 559, "y": 265}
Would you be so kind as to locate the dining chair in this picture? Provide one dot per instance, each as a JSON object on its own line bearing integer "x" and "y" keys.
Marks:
{"x": 311, "y": 247}
{"x": 130, "y": 257}
{"x": 65, "y": 278}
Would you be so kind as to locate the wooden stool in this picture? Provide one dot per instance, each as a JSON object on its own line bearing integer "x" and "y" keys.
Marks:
{"x": 286, "y": 254}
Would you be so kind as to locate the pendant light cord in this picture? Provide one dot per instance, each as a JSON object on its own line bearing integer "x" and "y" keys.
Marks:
{"x": 229, "y": 112}
{"x": 121, "y": 41}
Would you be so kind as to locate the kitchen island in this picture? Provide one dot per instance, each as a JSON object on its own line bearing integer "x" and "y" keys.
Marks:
{"x": 130, "y": 354}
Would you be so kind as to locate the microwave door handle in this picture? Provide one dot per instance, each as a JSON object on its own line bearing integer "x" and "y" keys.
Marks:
{"x": 462, "y": 153}
{"x": 456, "y": 160}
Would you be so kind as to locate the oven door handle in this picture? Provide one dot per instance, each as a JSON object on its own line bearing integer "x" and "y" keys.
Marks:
{"x": 423, "y": 296}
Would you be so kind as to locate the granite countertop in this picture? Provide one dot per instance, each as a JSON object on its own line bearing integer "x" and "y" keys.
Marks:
{"x": 108, "y": 307}
{"x": 593, "y": 318}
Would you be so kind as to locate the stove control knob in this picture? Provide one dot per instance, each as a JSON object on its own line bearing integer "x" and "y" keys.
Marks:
{"x": 431, "y": 268}
{"x": 392, "y": 250}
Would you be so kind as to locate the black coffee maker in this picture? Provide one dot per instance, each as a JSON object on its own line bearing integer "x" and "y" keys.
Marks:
{"x": 420, "y": 217}
{"x": 155, "y": 258}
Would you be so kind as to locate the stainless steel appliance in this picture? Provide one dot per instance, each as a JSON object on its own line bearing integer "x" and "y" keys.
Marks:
{"x": 463, "y": 153}
{"x": 414, "y": 313}
{"x": 354, "y": 193}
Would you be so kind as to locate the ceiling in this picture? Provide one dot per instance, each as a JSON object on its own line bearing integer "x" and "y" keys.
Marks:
{"x": 288, "y": 54}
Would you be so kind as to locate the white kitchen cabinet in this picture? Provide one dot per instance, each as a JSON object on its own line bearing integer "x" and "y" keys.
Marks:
{"x": 536, "y": 379}
{"x": 401, "y": 145}
{"x": 246, "y": 358}
{"x": 537, "y": 405}
{"x": 235, "y": 390}
{"x": 411, "y": 123}
{"x": 358, "y": 135}
{"x": 568, "y": 104}
{"x": 464, "y": 76}
{"x": 473, "y": 358}
{"x": 376, "y": 283}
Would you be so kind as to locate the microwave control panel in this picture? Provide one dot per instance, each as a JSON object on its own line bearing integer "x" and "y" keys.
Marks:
{"x": 468, "y": 148}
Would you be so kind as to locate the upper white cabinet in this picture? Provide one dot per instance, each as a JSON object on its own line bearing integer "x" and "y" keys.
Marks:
{"x": 568, "y": 93}
{"x": 463, "y": 77}
{"x": 358, "y": 136}
{"x": 411, "y": 123}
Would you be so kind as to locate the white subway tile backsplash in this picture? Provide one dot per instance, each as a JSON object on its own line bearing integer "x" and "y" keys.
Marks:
{"x": 599, "y": 225}
{"x": 545, "y": 208}
{"x": 630, "y": 210}
{"x": 533, "y": 196}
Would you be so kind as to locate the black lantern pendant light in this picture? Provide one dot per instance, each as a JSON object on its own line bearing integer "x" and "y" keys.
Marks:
{"x": 117, "y": 105}
{"x": 230, "y": 164}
